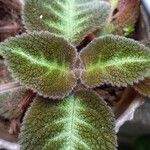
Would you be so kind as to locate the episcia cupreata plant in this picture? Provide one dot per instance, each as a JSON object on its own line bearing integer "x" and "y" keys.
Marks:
{"x": 66, "y": 114}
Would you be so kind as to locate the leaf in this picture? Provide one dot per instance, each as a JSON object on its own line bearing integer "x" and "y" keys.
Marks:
{"x": 116, "y": 60}
{"x": 9, "y": 102}
{"x": 128, "y": 31}
{"x": 143, "y": 87}
{"x": 42, "y": 62}
{"x": 82, "y": 121}
{"x": 72, "y": 19}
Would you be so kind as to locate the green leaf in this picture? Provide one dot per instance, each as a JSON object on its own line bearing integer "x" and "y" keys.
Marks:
{"x": 143, "y": 87}
{"x": 9, "y": 102}
{"x": 108, "y": 29}
{"x": 128, "y": 30}
{"x": 114, "y": 60}
{"x": 42, "y": 62}
{"x": 72, "y": 19}
{"x": 82, "y": 121}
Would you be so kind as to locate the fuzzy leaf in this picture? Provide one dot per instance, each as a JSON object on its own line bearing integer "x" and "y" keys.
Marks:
{"x": 143, "y": 87}
{"x": 42, "y": 62}
{"x": 116, "y": 60}
{"x": 9, "y": 102}
{"x": 82, "y": 121}
{"x": 72, "y": 19}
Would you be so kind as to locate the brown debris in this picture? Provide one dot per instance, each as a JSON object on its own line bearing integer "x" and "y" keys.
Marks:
{"x": 110, "y": 94}
{"x": 14, "y": 126}
{"x": 5, "y": 76}
{"x": 126, "y": 15}
{"x": 10, "y": 18}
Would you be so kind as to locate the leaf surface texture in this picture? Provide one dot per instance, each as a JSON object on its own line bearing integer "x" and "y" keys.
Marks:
{"x": 114, "y": 60}
{"x": 79, "y": 122}
{"x": 43, "y": 62}
{"x": 72, "y": 19}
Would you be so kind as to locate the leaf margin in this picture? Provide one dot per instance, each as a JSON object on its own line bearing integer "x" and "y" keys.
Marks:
{"x": 13, "y": 75}
{"x": 112, "y": 120}
{"x": 83, "y": 37}
{"x": 147, "y": 49}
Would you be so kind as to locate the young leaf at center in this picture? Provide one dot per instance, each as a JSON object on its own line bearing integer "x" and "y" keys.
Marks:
{"x": 114, "y": 60}
{"x": 72, "y": 19}
{"x": 79, "y": 122}
{"x": 42, "y": 62}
